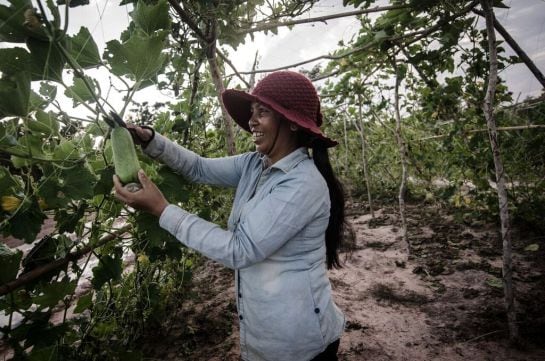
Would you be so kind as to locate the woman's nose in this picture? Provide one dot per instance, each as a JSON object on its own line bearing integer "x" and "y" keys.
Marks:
{"x": 252, "y": 121}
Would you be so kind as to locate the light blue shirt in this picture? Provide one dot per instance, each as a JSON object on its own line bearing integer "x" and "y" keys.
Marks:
{"x": 275, "y": 241}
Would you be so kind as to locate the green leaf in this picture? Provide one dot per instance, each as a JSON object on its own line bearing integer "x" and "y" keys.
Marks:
{"x": 47, "y": 90}
{"x": 60, "y": 187}
{"x": 36, "y": 102}
{"x": 11, "y": 21}
{"x": 148, "y": 227}
{"x": 45, "y": 123}
{"x": 85, "y": 302}
{"x": 14, "y": 60}
{"x": 66, "y": 150}
{"x": 47, "y": 62}
{"x": 83, "y": 49}
{"x": 108, "y": 268}
{"x": 8, "y": 184}
{"x": 15, "y": 94}
{"x": 49, "y": 353}
{"x": 27, "y": 222}
{"x": 494, "y": 282}
{"x": 79, "y": 92}
{"x": 141, "y": 56}
{"x": 105, "y": 183}
{"x": 379, "y": 35}
{"x": 532, "y": 247}
{"x": 151, "y": 17}
{"x": 9, "y": 263}
{"x": 173, "y": 185}
{"x": 54, "y": 292}
{"x": 67, "y": 221}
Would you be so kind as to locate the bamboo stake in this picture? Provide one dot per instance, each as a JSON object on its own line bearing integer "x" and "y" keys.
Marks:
{"x": 488, "y": 107}
{"x": 361, "y": 130}
{"x": 273, "y": 24}
{"x": 514, "y": 127}
{"x": 403, "y": 157}
{"x": 517, "y": 49}
{"x": 215, "y": 73}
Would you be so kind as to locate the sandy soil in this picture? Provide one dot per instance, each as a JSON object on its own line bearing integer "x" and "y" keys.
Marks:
{"x": 442, "y": 303}
{"x": 438, "y": 304}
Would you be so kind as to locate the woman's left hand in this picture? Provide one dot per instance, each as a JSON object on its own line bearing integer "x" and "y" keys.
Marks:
{"x": 148, "y": 199}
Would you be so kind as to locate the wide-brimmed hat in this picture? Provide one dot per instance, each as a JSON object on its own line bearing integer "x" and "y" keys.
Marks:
{"x": 289, "y": 93}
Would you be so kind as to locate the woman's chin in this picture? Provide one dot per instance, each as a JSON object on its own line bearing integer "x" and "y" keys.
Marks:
{"x": 260, "y": 148}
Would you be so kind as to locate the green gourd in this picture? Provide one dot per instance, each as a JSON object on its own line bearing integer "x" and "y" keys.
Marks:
{"x": 125, "y": 159}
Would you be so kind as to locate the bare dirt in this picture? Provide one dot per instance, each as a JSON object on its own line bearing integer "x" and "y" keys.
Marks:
{"x": 442, "y": 303}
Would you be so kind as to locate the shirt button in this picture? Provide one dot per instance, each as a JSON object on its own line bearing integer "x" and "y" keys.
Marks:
{"x": 316, "y": 310}
{"x": 240, "y": 317}
{"x": 239, "y": 295}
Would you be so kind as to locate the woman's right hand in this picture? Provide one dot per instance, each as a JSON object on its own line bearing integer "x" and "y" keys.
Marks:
{"x": 140, "y": 135}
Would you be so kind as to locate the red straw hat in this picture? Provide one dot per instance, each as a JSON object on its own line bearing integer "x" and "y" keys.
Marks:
{"x": 289, "y": 93}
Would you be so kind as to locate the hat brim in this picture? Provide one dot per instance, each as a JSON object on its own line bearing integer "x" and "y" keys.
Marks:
{"x": 238, "y": 104}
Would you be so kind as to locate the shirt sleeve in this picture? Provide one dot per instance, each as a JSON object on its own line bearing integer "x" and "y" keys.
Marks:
{"x": 224, "y": 171}
{"x": 273, "y": 221}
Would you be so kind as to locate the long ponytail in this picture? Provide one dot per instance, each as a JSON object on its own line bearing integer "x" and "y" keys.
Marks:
{"x": 336, "y": 226}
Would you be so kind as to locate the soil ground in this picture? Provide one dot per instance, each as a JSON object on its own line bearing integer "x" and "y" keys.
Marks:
{"x": 444, "y": 302}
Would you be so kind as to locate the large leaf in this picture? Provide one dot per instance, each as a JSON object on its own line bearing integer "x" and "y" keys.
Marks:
{"x": 141, "y": 56}
{"x": 9, "y": 263}
{"x": 83, "y": 49}
{"x": 15, "y": 94}
{"x": 68, "y": 221}
{"x": 8, "y": 133}
{"x": 8, "y": 184}
{"x": 54, "y": 292}
{"x": 173, "y": 186}
{"x": 45, "y": 123}
{"x": 84, "y": 302}
{"x": 151, "y": 18}
{"x": 105, "y": 183}
{"x": 47, "y": 62}
{"x": 48, "y": 353}
{"x": 60, "y": 187}
{"x": 79, "y": 91}
{"x": 108, "y": 268}
{"x": 15, "y": 81}
{"x": 11, "y": 21}
{"x": 14, "y": 60}
{"x": 27, "y": 222}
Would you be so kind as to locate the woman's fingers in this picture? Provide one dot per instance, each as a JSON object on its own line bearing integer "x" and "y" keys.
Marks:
{"x": 144, "y": 180}
{"x": 121, "y": 193}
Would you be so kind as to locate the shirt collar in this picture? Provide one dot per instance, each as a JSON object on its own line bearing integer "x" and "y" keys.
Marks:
{"x": 289, "y": 161}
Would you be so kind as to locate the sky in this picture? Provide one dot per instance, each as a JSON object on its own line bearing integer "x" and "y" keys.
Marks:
{"x": 525, "y": 20}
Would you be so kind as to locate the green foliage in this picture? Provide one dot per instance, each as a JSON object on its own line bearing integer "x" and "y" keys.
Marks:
{"x": 12, "y": 19}
{"x": 109, "y": 269}
{"x": 46, "y": 63}
{"x": 83, "y": 49}
{"x": 151, "y": 18}
{"x": 9, "y": 263}
{"x": 15, "y": 82}
{"x": 140, "y": 57}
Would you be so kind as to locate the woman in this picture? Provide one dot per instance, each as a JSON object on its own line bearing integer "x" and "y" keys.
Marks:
{"x": 286, "y": 222}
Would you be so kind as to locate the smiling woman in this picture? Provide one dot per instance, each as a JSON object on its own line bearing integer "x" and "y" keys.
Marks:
{"x": 285, "y": 226}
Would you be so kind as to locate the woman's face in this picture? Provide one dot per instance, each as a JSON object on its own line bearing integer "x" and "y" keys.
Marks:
{"x": 271, "y": 136}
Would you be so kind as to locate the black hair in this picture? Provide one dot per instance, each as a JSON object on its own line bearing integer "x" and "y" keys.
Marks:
{"x": 337, "y": 224}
